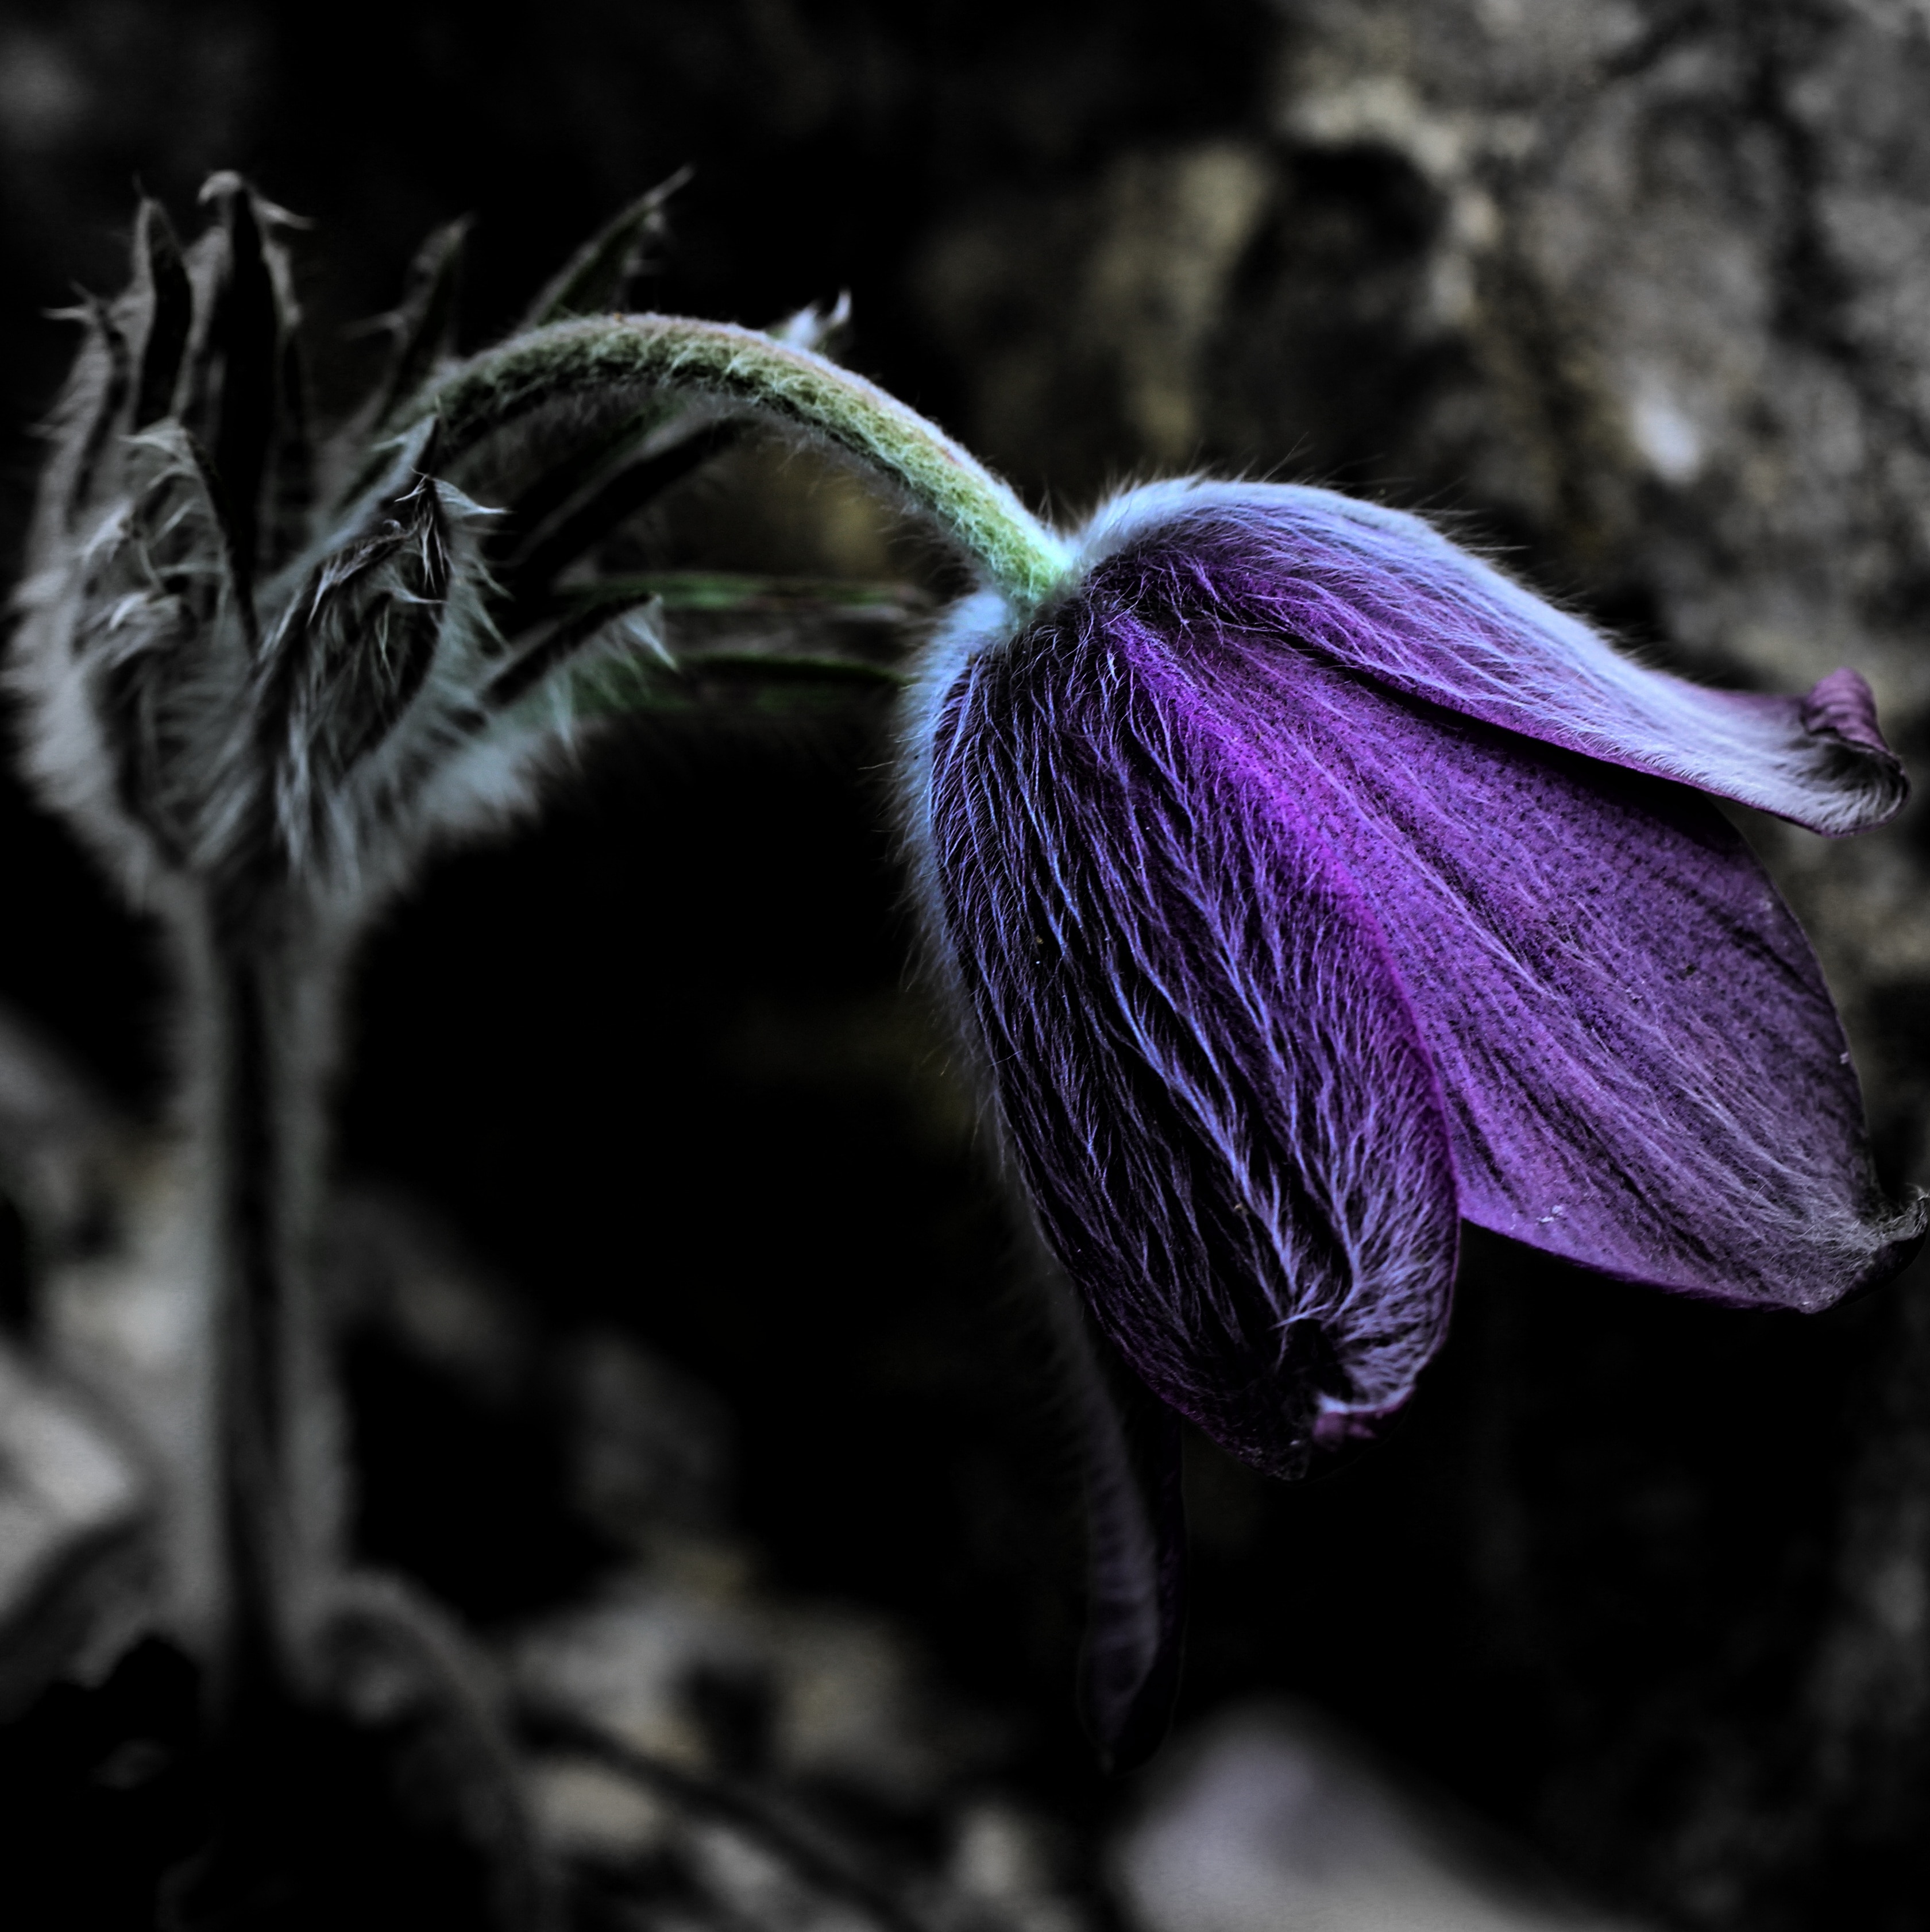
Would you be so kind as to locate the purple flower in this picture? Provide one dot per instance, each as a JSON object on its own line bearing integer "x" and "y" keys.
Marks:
{"x": 1309, "y": 888}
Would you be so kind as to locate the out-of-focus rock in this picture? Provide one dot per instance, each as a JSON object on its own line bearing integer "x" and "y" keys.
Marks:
{"x": 695, "y": 1670}
{"x": 107, "y": 1524}
{"x": 392, "y": 1267}
{"x": 1268, "y": 1821}
{"x": 1007, "y": 1864}
{"x": 132, "y": 1323}
{"x": 585, "y": 1810}
{"x": 73, "y": 1560}
{"x": 60, "y": 1145}
{"x": 649, "y": 1447}
{"x": 719, "y": 1752}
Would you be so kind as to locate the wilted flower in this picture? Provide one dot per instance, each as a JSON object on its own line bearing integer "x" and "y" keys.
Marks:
{"x": 1311, "y": 888}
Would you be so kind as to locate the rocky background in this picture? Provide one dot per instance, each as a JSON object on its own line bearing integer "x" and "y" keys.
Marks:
{"x": 1635, "y": 1607}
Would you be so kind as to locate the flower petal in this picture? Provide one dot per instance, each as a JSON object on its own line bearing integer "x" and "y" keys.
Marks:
{"x": 1206, "y": 1068}
{"x": 1382, "y": 593}
{"x": 1642, "y": 1065}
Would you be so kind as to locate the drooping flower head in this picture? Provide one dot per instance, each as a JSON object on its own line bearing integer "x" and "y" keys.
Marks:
{"x": 1309, "y": 887}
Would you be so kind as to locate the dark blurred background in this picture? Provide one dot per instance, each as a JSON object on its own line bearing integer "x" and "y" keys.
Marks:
{"x": 1636, "y": 291}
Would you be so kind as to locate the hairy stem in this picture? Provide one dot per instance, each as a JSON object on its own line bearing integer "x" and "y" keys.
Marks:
{"x": 612, "y": 356}
{"x": 270, "y": 991}
{"x": 253, "y": 1297}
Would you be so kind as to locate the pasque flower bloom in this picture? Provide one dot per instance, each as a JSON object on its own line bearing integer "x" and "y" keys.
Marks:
{"x": 1309, "y": 887}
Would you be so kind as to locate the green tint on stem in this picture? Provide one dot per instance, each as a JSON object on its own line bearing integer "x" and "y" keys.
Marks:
{"x": 609, "y": 355}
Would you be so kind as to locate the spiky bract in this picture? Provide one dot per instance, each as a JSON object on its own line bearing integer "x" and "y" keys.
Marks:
{"x": 255, "y": 657}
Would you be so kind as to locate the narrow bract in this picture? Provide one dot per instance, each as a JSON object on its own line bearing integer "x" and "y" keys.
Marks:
{"x": 254, "y": 656}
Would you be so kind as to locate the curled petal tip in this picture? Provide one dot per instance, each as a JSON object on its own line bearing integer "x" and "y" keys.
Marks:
{"x": 1841, "y": 712}
{"x": 1842, "y": 706}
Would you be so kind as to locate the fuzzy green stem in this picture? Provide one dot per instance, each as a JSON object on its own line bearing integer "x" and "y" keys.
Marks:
{"x": 740, "y": 367}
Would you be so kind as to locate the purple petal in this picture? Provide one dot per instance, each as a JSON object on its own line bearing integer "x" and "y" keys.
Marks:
{"x": 1643, "y": 1068}
{"x": 1379, "y": 592}
{"x": 1212, "y": 1085}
